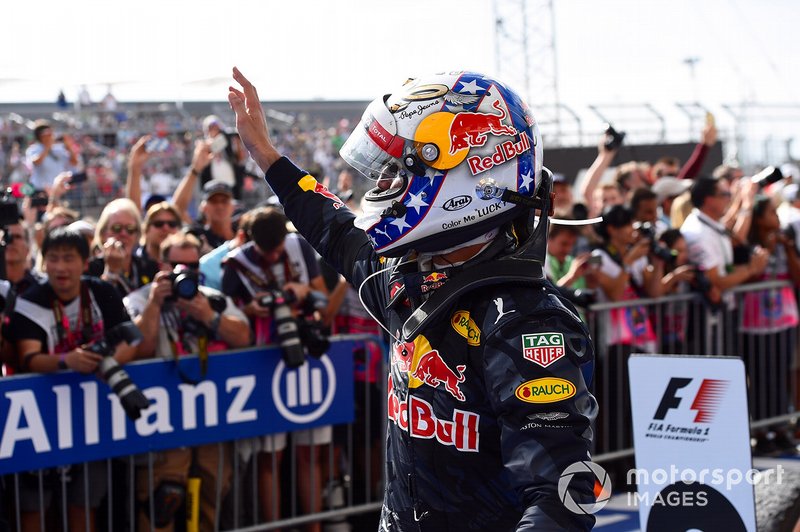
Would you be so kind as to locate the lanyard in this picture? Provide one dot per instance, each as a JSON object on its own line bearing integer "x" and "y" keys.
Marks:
{"x": 84, "y": 317}
{"x": 723, "y": 233}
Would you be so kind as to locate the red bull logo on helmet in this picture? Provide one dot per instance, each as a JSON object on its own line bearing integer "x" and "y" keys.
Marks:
{"x": 308, "y": 184}
{"x": 425, "y": 365}
{"x": 470, "y": 129}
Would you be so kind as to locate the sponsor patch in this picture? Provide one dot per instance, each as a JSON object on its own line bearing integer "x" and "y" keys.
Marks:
{"x": 466, "y": 327}
{"x": 545, "y": 390}
{"x": 548, "y": 416}
{"x": 543, "y": 348}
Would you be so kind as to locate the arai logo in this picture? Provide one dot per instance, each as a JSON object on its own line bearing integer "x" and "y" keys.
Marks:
{"x": 457, "y": 203}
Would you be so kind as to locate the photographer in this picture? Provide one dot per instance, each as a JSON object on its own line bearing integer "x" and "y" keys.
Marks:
{"x": 53, "y": 327}
{"x": 573, "y": 275}
{"x": 48, "y": 157}
{"x": 277, "y": 260}
{"x": 678, "y": 318}
{"x": 117, "y": 235}
{"x": 709, "y": 241}
{"x": 769, "y": 320}
{"x": 178, "y": 316}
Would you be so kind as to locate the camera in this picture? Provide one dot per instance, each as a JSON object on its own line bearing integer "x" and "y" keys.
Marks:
{"x": 767, "y": 176}
{"x": 647, "y": 230}
{"x": 9, "y": 209}
{"x": 185, "y": 282}
{"x": 132, "y": 399}
{"x": 614, "y": 138}
{"x": 286, "y": 326}
{"x": 297, "y": 336}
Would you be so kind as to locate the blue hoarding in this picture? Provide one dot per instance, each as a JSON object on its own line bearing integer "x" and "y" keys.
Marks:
{"x": 66, "y": 417}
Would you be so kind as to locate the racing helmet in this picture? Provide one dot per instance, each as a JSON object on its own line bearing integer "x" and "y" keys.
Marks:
{"x": 453, "y": 156}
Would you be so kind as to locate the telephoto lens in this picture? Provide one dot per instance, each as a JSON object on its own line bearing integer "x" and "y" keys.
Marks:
{"x": 132, "y": 399}
{"x": 288, "y": 334}
{"x": 767, "y": 176}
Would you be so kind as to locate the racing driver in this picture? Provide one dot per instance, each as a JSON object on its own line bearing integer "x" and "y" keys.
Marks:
{"x": 487, "y": 392}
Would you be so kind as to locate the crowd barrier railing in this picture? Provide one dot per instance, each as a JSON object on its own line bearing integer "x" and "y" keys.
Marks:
{"x": 52, "y": 423}
{"x": 756, "y": 322}
{"x": 66, "y": 438}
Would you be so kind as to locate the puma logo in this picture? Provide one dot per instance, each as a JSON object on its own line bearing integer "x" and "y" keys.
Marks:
{"x": 499, "y": 304}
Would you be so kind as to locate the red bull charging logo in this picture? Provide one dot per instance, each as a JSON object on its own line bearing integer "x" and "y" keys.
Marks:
{"x": 426, "y": 366}
{"x": 470, "y": 129}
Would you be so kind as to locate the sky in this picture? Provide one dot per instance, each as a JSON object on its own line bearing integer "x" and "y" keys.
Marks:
{"x": 608, "y": 52}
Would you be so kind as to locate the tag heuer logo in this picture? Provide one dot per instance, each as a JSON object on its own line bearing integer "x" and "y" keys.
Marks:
{"x": 543, "y": 348}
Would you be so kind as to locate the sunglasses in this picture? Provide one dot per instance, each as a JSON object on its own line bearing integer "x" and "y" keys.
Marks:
{"x": 158, "y": 224}
{"x": 131, "y": 229}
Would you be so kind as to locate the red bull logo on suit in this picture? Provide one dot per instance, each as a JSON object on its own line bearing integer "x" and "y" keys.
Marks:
{"x": 426, "y": 366}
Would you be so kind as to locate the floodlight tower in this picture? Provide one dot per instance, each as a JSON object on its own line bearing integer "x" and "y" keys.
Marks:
{"x": 525, "y": 55}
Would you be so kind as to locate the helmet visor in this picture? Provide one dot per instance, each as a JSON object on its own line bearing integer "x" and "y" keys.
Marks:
{"x": 375, "y": 151}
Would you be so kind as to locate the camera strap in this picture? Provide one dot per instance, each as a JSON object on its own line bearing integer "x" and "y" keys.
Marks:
{"x": 202, "y": 352}
{"x": 85, "y": 322}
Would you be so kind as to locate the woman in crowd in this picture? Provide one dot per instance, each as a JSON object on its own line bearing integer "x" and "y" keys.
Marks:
{"x": 624, "y": 274}
{"x": 768, "y": 326}
{"x": 116, "y": 237}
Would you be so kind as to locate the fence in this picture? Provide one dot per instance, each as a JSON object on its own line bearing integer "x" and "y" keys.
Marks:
{"x": 756, "y": 322}
{"x": 253, "y": 490}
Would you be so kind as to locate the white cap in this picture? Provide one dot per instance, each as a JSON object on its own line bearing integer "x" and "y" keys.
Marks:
{"x": 790, "y": 191}
{"x": 791, "y": 170}
{"x": 670, "y": 187}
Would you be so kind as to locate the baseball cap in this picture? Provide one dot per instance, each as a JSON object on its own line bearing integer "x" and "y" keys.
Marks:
{"x": 211, "y": 120}
{"x": 215, "y": 186}
{"x": 670, "y": 187}
{"x": 789, "y": 192}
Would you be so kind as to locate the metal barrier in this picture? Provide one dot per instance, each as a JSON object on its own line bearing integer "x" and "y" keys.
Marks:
{"x": 241, "y": 484}
{"x": 756, "y": 322}
{"x": 343, "y": 478}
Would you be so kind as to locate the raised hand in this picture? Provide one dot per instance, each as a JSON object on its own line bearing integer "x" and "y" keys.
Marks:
{"x": 251, "y": 122}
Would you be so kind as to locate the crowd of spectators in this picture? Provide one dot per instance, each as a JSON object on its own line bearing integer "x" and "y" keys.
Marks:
{"x": 72, "y": 277}
{"x": 195, "y": 203}
{"x": 668, "y": 230}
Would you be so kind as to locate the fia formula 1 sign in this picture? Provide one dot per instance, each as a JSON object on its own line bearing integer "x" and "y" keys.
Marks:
{"x": 692, "y": 443}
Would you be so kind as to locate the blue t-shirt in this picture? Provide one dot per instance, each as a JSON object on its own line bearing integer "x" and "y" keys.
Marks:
{"x": 211, "y": 266}
{"x": 44, "y": 174}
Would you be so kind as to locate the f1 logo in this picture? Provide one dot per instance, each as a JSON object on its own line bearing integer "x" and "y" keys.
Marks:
{"x": 706, "y": 402}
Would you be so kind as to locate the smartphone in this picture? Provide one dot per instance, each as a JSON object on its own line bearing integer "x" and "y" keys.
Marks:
{"x": 595, "y": 260}
{"x": 710, "y": 121}
{"x": 156, "y": 144}
{"x": 77, "y": 177}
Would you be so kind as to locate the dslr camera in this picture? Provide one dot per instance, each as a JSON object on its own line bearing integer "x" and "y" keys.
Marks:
{"x": 613, "y": 139}
{"x": 185, "y": 282}
{"x": 132, "y": 399}
{"x": 296, "y": 336}
{"x": 647, "y": 230}
{"x": 9, "y": 209}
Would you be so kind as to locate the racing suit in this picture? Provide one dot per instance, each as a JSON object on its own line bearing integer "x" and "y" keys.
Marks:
{"x": 487, "y": 406}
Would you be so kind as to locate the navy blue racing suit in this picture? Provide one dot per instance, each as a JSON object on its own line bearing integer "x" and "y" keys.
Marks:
{"x": 487, "y": 406}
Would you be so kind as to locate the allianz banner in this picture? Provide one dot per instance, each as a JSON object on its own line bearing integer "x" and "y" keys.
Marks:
{"x": 66, "y": 417}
